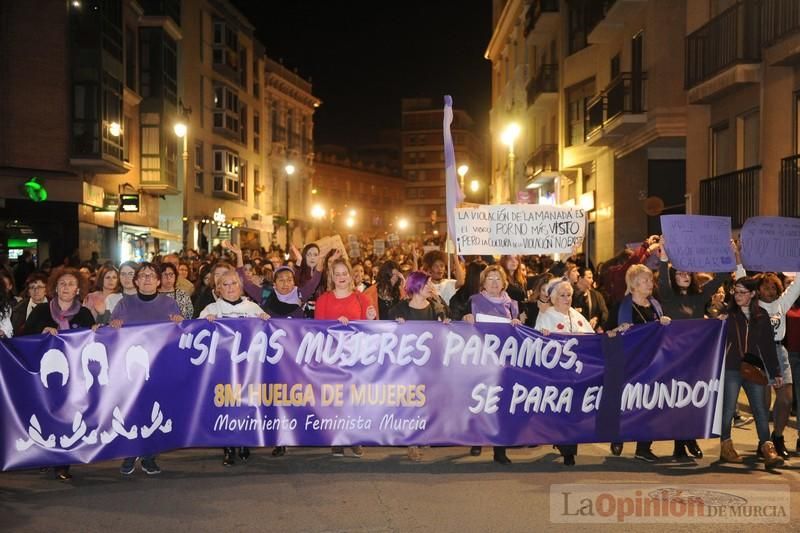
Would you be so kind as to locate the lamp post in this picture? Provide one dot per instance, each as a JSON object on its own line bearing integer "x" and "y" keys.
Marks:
{"x": 317, "y": 213}
{"x": 182, "y": 132}
{"x": 508, "y": 137}
{"x": 462, "y": 171}
{"x": 289, "y": 170}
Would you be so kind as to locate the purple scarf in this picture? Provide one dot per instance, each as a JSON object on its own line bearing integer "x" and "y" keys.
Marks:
{"x": 61, "y": 317}
{"x": 504, "y": 299}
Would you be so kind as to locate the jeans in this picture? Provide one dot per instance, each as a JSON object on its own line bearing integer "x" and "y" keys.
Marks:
{"x": 755, "y": 396}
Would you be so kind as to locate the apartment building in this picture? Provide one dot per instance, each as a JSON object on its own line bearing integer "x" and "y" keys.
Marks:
{"x": 597, "y": 89}
{"x": 742, "y": 78}
{"x": 87, "y": 101}
{"x": 355, "y": 197}
{"x": 422, "y": 160}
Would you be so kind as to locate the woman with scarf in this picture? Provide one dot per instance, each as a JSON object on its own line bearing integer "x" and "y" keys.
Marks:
{"x": 231, "y": 304}
{"x": 750, "y": 335}
{"x": 420, "y": 305}
{"x": 62, "y": 312}
{"x": 493, "y": 300}
{"x": 147, "y": 305}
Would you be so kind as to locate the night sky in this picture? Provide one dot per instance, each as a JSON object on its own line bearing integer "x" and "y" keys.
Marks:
{"x": 364, "y": 56}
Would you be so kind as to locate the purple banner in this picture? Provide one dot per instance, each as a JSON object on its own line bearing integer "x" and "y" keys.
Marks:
{"x": 85, "y": 396}
{"x": 698, "y": 243}
{"x": 771, "y": 244}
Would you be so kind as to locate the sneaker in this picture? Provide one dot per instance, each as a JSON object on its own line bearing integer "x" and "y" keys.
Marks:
{"x": 741, "y": 421}
{"x": 279, "y": 451}
{"x": 475, "y": 451}
{"x": 646, "y": 455}
{"x": 150, "y": 467}
{"x": 128, "y": 466}
{"x": 616, "y": 449}
{"x": 337, "y": 451}
{"x": 358, "y": 451}
{"x": 244, "y": 453}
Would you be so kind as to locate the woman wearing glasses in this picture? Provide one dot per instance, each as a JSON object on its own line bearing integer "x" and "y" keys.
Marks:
{"x": 147, "y": 305}
{"x": 169, "y": 278}
{"x": 36, "y": 284}
{"x": 493, "y": 300}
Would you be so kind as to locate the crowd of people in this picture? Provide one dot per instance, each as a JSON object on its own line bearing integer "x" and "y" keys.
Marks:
{"x": 414, "y": 280}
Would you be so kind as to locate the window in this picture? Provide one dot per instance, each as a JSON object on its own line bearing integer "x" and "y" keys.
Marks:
{"x": 243, "y": 124}
{"x": 202, "y": 101}
{"x": 749, "y": 139}
{"x": 256, "y": 79}
{"x": 199, "y": 181}
{"x": 256, "y": 131}
{"x": 125, "y": 140}
{"x": 257, "y": 186}
{"x": 226, "y": 47}
{"x": 243, "y": 68}
{"x": 227, "y": 111}
{"x": 198, "y": 155}
{"x": 226, "y": 172}
{"x": 130, "y": 58}
{"x": 577, "y": 95}
{"x": 243, "y": 181}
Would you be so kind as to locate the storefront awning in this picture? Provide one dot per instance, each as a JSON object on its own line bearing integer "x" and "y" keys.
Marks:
{"x": 165, "y": 235}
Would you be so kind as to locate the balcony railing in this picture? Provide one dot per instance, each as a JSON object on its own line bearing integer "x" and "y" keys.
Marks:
{"x": 734, "y": 195}
{"x": 790, "y": 187}
{"x": 779, "y": 18}
{"x": 546, "y": 81}
{"x": 626, "y": 94}
{"x": 730, "y": 38}
{"x": 544, "y": 158}
{"x": 537, "y": 8}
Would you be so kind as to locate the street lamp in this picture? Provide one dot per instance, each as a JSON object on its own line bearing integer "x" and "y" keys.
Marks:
{"x": 462, "y": 171}
{"x": 508, "y": 137}
{"x": 402, "y": 224}
{"x": 182, "y": 132}
{"x": 289, "y": 170}
{"x": 474, "y": 185}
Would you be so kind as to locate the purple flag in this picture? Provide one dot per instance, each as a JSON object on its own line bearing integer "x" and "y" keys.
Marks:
{"x": 453, "y": 190}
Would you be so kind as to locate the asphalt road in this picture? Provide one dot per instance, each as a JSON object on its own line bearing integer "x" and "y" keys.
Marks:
{"x": 308, "y": 490}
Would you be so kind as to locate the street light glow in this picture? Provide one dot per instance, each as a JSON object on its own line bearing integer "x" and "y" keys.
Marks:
{"x": 402, "y": 224}
{"x": 180, "y": 129}
{"x": 510, "y": 134}
{"x": 352, "y": 213}
{"x": 350, "y": 222}
{"x": 462, "y": 170}
{"x": 289, "y": 169}
{"x": 474, "y": 185}
{"x": 317, "y": 211}
{"x": 114, "y": 129}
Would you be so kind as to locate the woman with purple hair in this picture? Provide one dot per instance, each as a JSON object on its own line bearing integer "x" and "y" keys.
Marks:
{"x": 419, "y": 305}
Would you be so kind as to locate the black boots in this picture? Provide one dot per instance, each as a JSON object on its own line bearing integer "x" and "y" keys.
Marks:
{"x": 684, "y": 446}
{"x": 500, "y": 456}
{"x": 693, "y": 449}
{"x": 780, "y": 446}
{"x": 229, "y": 459}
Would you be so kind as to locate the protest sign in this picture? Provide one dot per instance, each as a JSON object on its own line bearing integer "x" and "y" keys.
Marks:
{"x": 334, "y": 242}
{"x": 771, "y": 244}
{"x": 519, "y": 229}
{"x": 378, "y": 247}
{"x": 698, "y": 243}
{"x": 84, "y": 396}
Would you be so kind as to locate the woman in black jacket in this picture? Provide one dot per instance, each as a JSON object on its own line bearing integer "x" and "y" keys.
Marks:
{"x": 750, "y": 336}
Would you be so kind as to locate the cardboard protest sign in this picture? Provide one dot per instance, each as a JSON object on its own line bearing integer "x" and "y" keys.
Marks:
{"x": 698, "y": 243}
{"x": 378, "y": 247}
{"x": 519, "y": 229}
{"x": 771, "y": 244}
{"x": 326, "y": 244}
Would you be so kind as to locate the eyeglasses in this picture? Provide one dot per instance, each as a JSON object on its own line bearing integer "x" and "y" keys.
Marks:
{"x": 168, "y": 274}
{"x": 127, "y": 274}
{"x": 148, "y": 275}
{"x": 36, "y": 287}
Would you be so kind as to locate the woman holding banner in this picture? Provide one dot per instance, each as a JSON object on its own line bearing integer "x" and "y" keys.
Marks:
{"x": 147, "y": 305}
{"x": 750, "y": 346}
{"x": 683, "y": 299}
{"x": 62, "y": 312}
{"x": 343, "y": 303}
{"x": 494, "y": 301}
{"x": 560, "y": 317}
{"x": 639, "y": 307}
{"x": 420, "y": 305}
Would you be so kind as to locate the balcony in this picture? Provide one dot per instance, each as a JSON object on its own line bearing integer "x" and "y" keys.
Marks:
{"x": 615, "y": 14}
{"x": 543, "y": 159}
{"x": 790, "y": 187}
{"x": 545, "y": 11}
{"x": 617, "y": 111}
{"x": 543, "y": 88}
{"x": 734, "y": 195}
{"x": 725, "y": 53}
{"x": 780, "y": 31}
{"x": 278, "y": 134}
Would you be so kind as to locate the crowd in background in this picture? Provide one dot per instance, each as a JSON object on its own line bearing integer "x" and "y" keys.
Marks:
{"x": 415, "y": 280}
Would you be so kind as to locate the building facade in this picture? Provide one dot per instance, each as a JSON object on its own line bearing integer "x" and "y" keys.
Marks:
{"x": 74, "y": 118}
{"x": 742, "y": 61}
{"x": 289, "y": 114}
{"x": 354, "y": 197}
{"x": 422, "y": 162}
{"x": 597, "y": 88}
